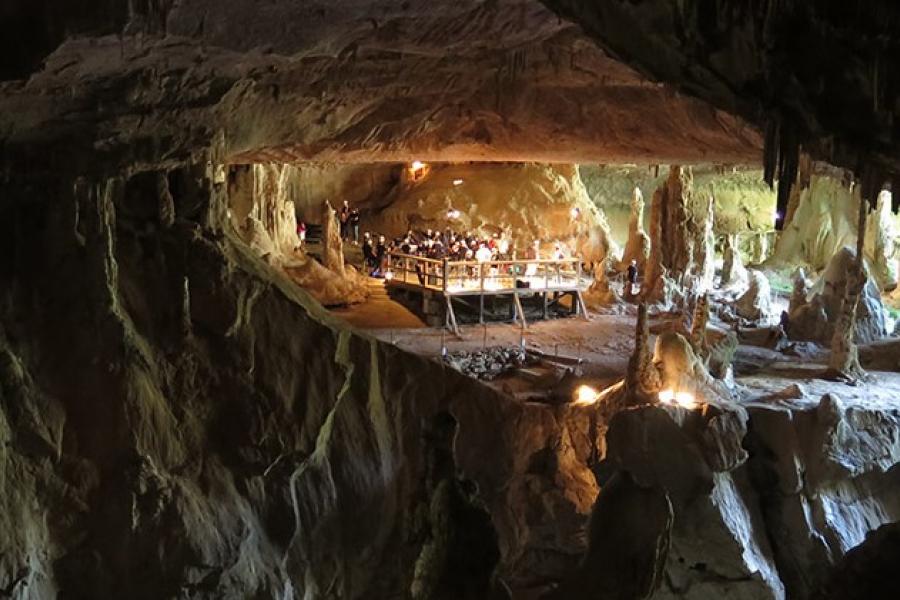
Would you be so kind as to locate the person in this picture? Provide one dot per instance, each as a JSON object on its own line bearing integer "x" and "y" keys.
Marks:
{"x": 344, "y": 219}
{"x": 380, "y": 253}
{"x": 354, "y": 225}
{"x": 368, "y": 253}
{"x": 533, "y": 253}
{"x": 631, "y": 276}
{"x": 301, "y": 233}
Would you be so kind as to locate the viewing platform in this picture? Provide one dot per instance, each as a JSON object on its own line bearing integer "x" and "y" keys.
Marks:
{"x": 447, "y": 281}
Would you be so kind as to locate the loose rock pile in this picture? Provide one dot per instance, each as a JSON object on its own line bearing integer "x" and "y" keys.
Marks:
{"x": 490, "y": 363}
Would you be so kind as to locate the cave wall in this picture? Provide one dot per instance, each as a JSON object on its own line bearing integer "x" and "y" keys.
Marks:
{"x": 825, "y": 220}
{"x": 744, "y": 204}
{"x": 180, "y": 420}
{"x": 529, "y": 201}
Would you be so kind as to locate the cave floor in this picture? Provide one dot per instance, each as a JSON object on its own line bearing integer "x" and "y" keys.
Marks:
{"x": 604, "y": 343}
{"x": 379, "y": 311}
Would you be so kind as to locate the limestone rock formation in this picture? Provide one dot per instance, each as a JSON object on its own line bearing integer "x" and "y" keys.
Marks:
{"x": 637, "y": 248}
{"x": 261, "y": 208}
{"x": 763, "y": 499}
{"x": 868, "y": 570}
{"x": 628, "y": 544}
{"x": 681, "y": 241}
{"x": 755, "y": 304}
{"x": 236, "y": 440}
{"x": 814, "y": 317}
{"x": 734, "y": 274}
{"x": 460, "y": 554}
{"x": 600, "y": 293}
{"x": 825, "y": 478}
{"x": 332, "y": 245}
{"x": 825, "y": 221}
{"x": 642, "y": 380}
{"x": 524, "y": 201}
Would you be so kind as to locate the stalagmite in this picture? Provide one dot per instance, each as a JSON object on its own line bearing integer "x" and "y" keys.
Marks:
{"x": 642, "y": 378}
{"x": 600, "y": 293}
{"x": 705, "y": 243}
{"x": 166, "y": 207}
{"x": 844, "y": 361}
{"x": 879, "y": 242}
{"x": 698, "y": 326}
{"x": 734, "y": 274}
{"x": 755, "y": 304}
{"x": 682, "y": 249}
{"x": 760, "y": 248}
{"x": 333, "y": 246}
{"x": 638, "y": 245}
{"x": 800, "y": 290}
{"x": 461, "y": 551}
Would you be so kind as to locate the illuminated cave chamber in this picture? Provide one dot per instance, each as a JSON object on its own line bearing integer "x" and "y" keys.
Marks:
{"x": 196, "y": 403}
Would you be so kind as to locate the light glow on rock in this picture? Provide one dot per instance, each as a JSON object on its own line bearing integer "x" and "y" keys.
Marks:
{"x": 585, "y": 395}
{"x": 682, "y": 399}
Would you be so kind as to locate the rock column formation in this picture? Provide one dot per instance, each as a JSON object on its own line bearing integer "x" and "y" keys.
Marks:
{"x": 332, "y": 245}
{"x": 734, "y": 274}
{"x": 698, "y": 326}
{"x": 682, "y": 250}
{"x": 642, "y": 378}
{"x": 638, "y": 245}
{"x": 844, "y": 360}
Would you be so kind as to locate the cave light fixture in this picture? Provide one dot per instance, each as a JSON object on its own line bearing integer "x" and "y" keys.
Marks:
{"x": 452, "y": 214}
{"x": 678, "y": 398}
{"x": 457, "y": 182}
{"x": 417, "y": 170}
{"x": 585, "y": 395}
{"x": 388, "y": 275}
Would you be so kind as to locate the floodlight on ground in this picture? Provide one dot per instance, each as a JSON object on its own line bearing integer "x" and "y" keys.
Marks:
{"x": 585, "y": 395}
{"x": 388, "y": 275}
{"x": 678, "y": 398}
{"x": 457, "y": 182}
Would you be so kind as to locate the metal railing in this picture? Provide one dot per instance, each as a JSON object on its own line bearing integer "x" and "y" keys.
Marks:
{"x": 470, "y": 277}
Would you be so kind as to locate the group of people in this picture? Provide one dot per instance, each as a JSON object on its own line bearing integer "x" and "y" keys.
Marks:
{"x": 449, "y": 244}
{"x": 349, "y": 221}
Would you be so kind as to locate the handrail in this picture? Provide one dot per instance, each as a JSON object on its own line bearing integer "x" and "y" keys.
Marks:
{"x": 475, "y": 263}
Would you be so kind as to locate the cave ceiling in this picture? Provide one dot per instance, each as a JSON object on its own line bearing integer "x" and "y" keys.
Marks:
{"x": 337, "y": 81}
{"x": 145, "y": 83}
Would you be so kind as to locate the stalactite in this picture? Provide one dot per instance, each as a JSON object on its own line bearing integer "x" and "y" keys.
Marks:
{"x": 770, "y": 151}
{"x": 788, "y": 163}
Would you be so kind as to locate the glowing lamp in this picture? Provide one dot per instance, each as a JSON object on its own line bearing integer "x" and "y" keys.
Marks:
{"x": 685, "y": 400}
{"x": 682, "y": 399}
{"x": 417, "y": 165}
{"x": 585, "y": 394}
{"x": 452, "y": 214}
{"x": 388, "y": 275}
{"x": 457, "y": 182}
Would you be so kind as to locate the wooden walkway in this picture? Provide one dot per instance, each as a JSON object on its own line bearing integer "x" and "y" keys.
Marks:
{"x": 446, "y": 281}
